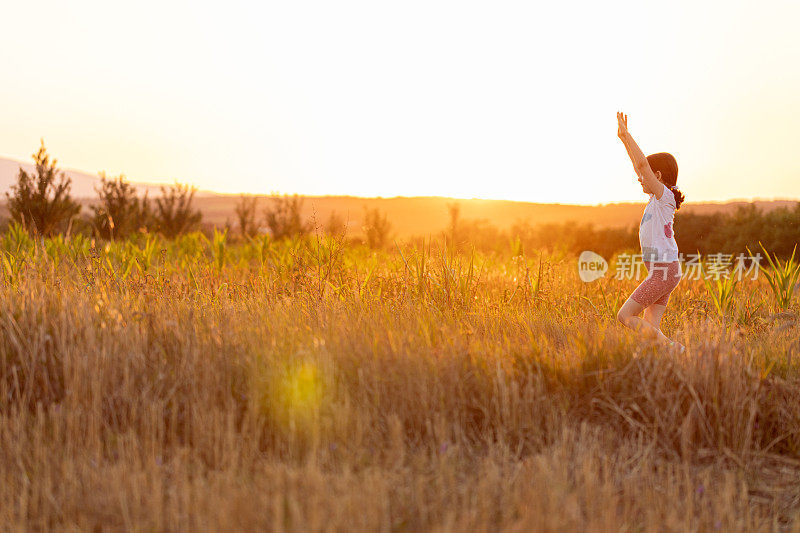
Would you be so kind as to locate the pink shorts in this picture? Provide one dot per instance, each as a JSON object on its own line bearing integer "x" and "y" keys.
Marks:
{"x": 661, "y": 280}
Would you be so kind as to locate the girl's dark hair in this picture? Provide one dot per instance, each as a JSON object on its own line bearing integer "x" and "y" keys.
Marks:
{"x": 666, "y": 164}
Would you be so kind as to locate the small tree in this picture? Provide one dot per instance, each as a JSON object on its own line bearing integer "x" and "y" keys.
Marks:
{"x": 120, "y": 211}
{"x": 454, "y": 236}
{"x": 173, "y": 212}
{"x": 283, "y": 218}
{"x": 336, "y": 225}
{"x": 376, "y": 227}
{"x": 246, "y": 215}
{"x": 42, "y": 201}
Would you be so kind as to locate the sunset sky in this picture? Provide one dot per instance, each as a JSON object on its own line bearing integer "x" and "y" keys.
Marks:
{"x": 509, "y": 100}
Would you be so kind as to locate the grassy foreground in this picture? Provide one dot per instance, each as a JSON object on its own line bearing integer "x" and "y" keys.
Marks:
{"x": 204, "y": 385}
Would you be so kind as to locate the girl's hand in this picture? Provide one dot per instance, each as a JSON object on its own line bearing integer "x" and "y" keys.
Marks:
{"x": 622, "y": 123}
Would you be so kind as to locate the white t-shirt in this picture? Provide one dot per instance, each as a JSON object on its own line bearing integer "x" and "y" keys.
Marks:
{"x": 655, "y": 230}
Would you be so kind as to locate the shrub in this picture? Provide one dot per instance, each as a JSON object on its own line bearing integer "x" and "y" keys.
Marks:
{"x": 336, "y": 225}
{"x": 455, "y": 235}
{"x": 283, "y": 218}
{"x": 246, "y": 215}
{"x": 174, "y": 214}
{"x": 376, "y": 227}
{"x": 42, "y": 201}
{"x": 120, "y": 211}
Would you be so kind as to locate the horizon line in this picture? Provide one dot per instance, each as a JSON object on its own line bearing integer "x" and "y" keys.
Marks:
{"x": 277, "y": 194}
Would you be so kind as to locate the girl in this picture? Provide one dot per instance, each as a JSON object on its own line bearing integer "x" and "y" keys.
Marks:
{"x": 658, "y": 174}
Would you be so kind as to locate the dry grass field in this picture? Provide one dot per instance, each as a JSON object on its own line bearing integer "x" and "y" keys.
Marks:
{"x": 201, "y": 384}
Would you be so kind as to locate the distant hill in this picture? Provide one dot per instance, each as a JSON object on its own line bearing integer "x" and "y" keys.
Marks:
{"x": 83, "y": 184}
{"x": 409, "y": 216}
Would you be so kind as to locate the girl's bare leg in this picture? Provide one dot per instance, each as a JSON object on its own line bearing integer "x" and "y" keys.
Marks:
{"x": 627, "y": 315}
{"x": 653, "y": 314}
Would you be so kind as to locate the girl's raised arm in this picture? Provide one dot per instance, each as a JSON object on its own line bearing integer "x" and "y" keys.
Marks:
{"x": 640, "y": 164}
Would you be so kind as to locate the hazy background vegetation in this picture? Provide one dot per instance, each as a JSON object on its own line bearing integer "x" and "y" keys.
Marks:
{"x": 483, "y": 224}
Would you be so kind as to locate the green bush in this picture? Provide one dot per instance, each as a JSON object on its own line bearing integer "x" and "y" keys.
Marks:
{"x": 120, "y": 211}
{"x": 174, "y": 214}
{"x": 41, "y": 201}
{"x": 283, "y": 218}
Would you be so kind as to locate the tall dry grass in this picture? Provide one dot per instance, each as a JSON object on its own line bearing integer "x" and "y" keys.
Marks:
{"x": 195, "y": 385}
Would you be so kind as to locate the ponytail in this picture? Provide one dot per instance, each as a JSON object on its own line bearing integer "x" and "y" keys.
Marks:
{"x": 679, "y": 197}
